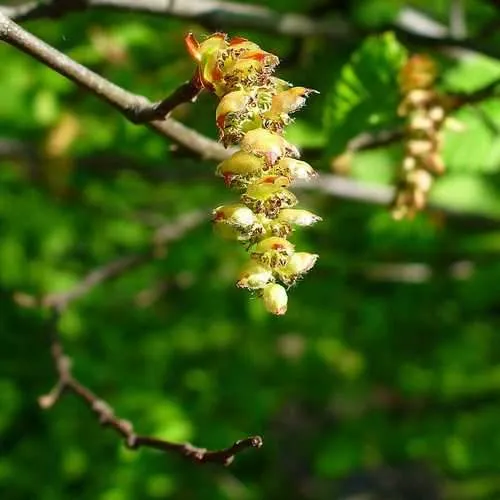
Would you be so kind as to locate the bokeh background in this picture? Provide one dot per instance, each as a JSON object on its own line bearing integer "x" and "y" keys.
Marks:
{"x": 383, "y": 379}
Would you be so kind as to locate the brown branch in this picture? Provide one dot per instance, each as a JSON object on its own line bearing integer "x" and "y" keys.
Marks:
{"x": 135, "y": 108}
{"x": 107, "y": 417}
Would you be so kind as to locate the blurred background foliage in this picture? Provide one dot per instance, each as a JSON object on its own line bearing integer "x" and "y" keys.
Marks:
{"x": 382, "y": 380}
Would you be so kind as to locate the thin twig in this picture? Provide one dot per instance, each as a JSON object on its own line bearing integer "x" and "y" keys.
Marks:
{"x": 165, "y": 234}
{"x": 107, "y": 417}
{"x": 135, "y": 108}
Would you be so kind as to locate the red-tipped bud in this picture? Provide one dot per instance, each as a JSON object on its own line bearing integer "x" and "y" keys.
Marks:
{"x": 237, "y": 222}
{"x": 268, "y": 199}
{"x": 275, "y": 180}
{"x": 273, "y": 252}
{"x": 241, "y": 168}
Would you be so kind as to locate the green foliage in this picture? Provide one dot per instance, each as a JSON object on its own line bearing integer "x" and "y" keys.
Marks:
{"x": 365, "y": 96}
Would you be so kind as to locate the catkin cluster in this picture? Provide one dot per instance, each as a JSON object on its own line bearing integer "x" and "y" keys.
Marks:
{"x": 425, "y": 113}
{"x": 253, "y": 110}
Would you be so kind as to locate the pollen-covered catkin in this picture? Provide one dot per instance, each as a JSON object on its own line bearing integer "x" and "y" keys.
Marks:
{"x": 425, "y": 112}
{"x": 253, "y": 110}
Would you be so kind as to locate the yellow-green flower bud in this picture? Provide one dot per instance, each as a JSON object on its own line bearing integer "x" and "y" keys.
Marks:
{"x": 275, "y": 299}
{"x": 271, "y": 146}
{"x": 294, "y": 169}
{"x": 298, "y": 217}
{"x": 254, "y": 276}
{"x": 236, "y": 222}
{"x": 268, "y": 199}
{"x": 273, "y": 251}
{"x": 298, "y": 264}
{"x": 235, "y": 215}
{"x": 241, "y": 168}
{"x": 234, "y": 102}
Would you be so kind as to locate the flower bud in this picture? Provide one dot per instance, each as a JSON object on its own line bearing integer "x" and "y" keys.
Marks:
{"x": 421, "y": 122}
{"x": 268, "y": 199}
{"x": 289, "y": 101}
{"x": 273, "y": 251}
{"x": 274, "y": 180}
{"x": 271, "y": 146}
{"x": 240, "y": 168}
{"x": 419, "y": 147}
{"x": 298, "y": 265}
{"x": 294, "y": 169}
{"x": 235, "y": 215}
{"x": 254, "y": 276}
{"x": 419, "y": 72}
{"x": 437, "y": 114}
{"x": 434, "y": 163}
{"x": 278, "y": 228}
{"x": 208, "y": 55}
{"x": 414, "y": 99}
{"x": 244, "y": 72}
{"x": 275, "y": 299}
{"x": 279, "y": 85}
{"x": 238, "y": 46}
{"x": 421, "y": 179}
{"x": 234, "y": 102}
{"x": 298, "y": 217}
{"x": 236, "y": 222}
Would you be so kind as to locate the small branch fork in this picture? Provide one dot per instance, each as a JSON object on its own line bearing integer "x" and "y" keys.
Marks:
{"x": 68, "y": 383}
{"x": 107, "y": 417}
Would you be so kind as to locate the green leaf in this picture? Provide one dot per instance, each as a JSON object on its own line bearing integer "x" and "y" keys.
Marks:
{"x": 366, "y": 95}
{"x": 477, "y": 147}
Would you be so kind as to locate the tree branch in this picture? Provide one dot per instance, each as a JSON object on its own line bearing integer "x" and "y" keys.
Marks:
{"x": 135, "y": 108}
{"x": 107, "y": 417}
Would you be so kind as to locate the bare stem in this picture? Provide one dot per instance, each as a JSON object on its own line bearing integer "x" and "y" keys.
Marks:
{"x": 67, "y": 383}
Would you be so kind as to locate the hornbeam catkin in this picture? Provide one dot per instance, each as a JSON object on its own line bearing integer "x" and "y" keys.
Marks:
{"x": 253, "y": 110}
{"x": 425, "y": 112}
